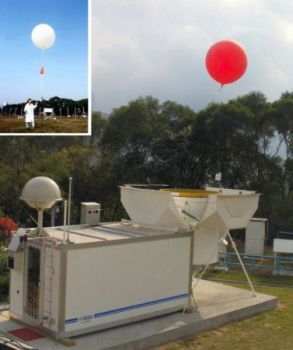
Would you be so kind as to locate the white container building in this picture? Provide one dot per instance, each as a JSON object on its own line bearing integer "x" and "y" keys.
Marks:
{"x": 105, "y": 276}
{"x": 76, "y": 279}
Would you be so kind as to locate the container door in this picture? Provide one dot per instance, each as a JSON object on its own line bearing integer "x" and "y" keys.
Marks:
{"x": 33, "y": 282}
{"x": 16, "y": 267}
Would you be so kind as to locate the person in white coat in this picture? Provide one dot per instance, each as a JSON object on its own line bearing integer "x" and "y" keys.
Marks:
{"x": 29, "y": 110}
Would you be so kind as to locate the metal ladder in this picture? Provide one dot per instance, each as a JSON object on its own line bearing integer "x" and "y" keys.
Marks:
{"x": 48, "y": 287}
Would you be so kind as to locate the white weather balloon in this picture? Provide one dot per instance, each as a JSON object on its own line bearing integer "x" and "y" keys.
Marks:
{"x": 43, "y": 36}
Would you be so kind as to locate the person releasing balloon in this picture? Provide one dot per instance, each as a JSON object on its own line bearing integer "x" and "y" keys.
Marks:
{"x": 29, "y": 109}
{"x": 226, "y": 61}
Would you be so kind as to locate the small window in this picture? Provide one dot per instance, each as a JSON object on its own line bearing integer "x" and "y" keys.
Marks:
{"x": 10, "y": 262}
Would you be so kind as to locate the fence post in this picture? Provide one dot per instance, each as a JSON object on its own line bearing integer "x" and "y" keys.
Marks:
{"x": 276, "y": 263}
{"x": 228, "y": 261}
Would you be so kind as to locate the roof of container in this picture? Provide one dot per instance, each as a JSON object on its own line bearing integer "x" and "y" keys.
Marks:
{"x": 105, "y": 232}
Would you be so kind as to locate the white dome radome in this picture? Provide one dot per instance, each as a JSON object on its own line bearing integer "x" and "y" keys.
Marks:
{"x": 41, "y": 193}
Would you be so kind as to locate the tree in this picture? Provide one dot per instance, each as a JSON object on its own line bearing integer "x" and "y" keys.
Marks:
{"x": 283, "y": 121}
{"x": 148, "y": 141}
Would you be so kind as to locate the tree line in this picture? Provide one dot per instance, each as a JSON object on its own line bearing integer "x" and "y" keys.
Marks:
{"x": 61, "y": 106}
{"x": 248, "y": 139}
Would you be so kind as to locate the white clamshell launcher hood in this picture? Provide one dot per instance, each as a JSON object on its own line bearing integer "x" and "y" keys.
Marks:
{"x": 209, "y": 213}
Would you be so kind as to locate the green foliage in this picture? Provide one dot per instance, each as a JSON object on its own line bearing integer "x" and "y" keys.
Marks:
{"x": 4, "y": 276}
{"x": 61, "y": 106}
{"x": 148, "y": 141}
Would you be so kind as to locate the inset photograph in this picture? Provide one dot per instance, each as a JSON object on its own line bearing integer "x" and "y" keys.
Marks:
{"x": 44, "y": 68}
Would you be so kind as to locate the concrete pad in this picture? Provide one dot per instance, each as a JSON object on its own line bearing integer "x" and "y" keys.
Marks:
{"x": 217, "y": 304}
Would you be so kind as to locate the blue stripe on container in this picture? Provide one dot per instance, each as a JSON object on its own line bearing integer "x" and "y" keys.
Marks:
{"x": 132, "y": 307}
{"x": 71, "y": 320}
{"x": 138, "y": 306}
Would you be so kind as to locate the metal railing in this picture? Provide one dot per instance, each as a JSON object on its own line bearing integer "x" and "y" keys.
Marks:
{"x": 258, "y": 262}
{"x": 281, "y": 234}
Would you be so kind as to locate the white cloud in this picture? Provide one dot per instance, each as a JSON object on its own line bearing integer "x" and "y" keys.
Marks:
{"x": 276, "y": 74}
{"x": 158, "y": 47}
{"x": 242, "y": 4}
{"x": 286, "y": 30}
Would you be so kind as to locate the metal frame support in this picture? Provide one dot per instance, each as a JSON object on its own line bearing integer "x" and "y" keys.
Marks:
{"x": 241, "y": 263}
{"x": 191, "y": 299}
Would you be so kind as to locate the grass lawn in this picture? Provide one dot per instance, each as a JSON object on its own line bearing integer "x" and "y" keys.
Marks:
{"x": 238, "y": 276}
{"x": 58, "y": 125}
{"x": 268, "y": 331}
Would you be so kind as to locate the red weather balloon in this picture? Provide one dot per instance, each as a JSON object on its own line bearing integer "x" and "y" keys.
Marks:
{"x": 226, "y": 61}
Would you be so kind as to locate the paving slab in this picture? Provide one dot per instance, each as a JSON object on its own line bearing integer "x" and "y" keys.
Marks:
{"x": 217, "y": 304}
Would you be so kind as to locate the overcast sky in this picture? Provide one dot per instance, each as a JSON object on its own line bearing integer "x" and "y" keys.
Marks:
{"x": 158, "y": 48}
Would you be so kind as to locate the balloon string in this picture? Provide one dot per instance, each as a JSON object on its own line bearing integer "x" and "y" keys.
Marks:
{"x": 40, "y": 87}
{"x": 42, "y": 75}
{"x": 43, "y": 59}
{"x": 221, "y": 87}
